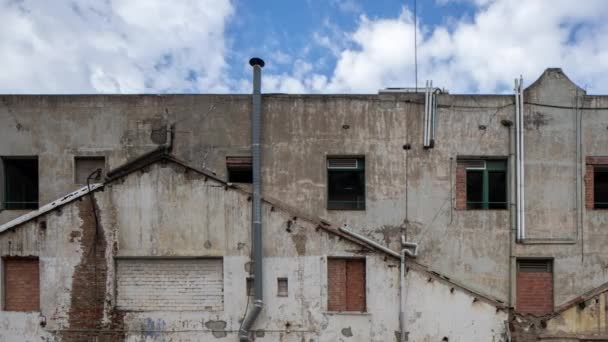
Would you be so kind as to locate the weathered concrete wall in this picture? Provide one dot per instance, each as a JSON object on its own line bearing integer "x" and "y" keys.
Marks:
{"x": 579, "y": 266}
{"x": 409, "y": 191}
{"x": 587, "y": 319}
{"x": 583, "y": 319}
{"x": 437, "y": 311}
{"x": 138, "y": 218}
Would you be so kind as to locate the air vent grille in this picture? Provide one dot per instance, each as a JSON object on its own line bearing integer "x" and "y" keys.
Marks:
{"x": 342, "y": 163}
{"x": 474, "y": 164}
{"x": 534, "y": 266}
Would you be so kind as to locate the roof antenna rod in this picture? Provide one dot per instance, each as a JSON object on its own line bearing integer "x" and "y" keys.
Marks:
{"x": 415, "y": 47}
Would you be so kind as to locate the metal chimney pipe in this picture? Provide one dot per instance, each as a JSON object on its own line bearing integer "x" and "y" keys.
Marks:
{"x": 256, "y": 209}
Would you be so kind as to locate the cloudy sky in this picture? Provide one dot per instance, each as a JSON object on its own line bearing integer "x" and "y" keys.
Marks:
{"x": 310, "y": 46}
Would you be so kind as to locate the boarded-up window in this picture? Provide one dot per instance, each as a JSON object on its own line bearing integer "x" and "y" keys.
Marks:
{"x": 85, "y": 166}
{"x": 534, "y": 286}
{"x": 170, "y": 284}
{"x": 346, "y": 284}
{"x": 21, "y": 284}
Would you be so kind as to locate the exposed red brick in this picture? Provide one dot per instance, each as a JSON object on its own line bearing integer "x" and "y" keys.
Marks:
{"x": 589, "y": 196}
{"x": 355, "y": 285}
{"x": 597, "y": 160}
{"x": 461, "y": 186}
{"x": 89, "y": 286}
{"x": 336, "y": 284}
{"x": 534, "y": 292}
{"x": 239, "y": 162}
{"x": 346, "y": 285}
{"x": 22, "y": 281}
{"x": 591, "y": 162}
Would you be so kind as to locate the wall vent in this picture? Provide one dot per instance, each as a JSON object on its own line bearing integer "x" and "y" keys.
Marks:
{"x": 342, "y": 163}
{"x": 473, "y": 164}
{"x": 534, "y": 266}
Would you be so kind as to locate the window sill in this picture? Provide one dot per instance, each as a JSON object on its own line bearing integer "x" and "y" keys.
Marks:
{"x": 336, "y": 209}
{"x": 483, "y": 209}
{"x": 347, "y": 313}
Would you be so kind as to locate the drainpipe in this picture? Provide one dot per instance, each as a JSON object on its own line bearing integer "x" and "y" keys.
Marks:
{"x": 519, "y": 154}
{"x": 409, "y": 249}
{"x": 256, "y": 209}
{"x": 522, "y": 159}
{"x": 512, "y": 204}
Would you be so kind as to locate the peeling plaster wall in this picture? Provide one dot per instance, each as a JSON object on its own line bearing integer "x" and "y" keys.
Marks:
{"x": 436, "y": 310}
{"x": 301, "y": 130}
{"x": 138, "y": 219}
{"x": 586, "y": 319}
{"x": 165, "y": 211}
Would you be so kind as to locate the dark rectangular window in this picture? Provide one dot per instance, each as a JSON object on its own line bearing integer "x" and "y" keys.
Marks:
{"x": 85, "y": 166}
{"x": 346, "y": 183}
{"x": 346, "y": 284}
{"x": 474, "y": 189}
{"x": 486, "y": 184}
{"x": 20, "y": 183}
{"x": 600, "y": 187}
{"x": 239, "y": 169}
{"x": 497, "y": 191}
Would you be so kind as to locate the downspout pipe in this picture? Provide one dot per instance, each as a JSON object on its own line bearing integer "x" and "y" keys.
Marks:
{"x": 409, "y": 249}
{"x": 517, "y": 169}
{"x": 256, "y": 208}
{"x": 522, "y": 172}
{"x": 519, "y": 146}
{"x": 512, "y": 214}
{"x": 428, "y": 114}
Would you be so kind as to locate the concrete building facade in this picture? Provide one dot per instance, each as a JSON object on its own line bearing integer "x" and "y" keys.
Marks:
{"x": 454, "y": 197}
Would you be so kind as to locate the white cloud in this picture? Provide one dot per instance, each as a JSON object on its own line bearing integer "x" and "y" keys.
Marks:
{"x": 134, "y": 46}
{"x": 112, "y": 46}
{"x": 503, "y": 39}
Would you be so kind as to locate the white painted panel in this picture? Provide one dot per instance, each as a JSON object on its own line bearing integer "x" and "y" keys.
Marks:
{"x": 170, "y": 284}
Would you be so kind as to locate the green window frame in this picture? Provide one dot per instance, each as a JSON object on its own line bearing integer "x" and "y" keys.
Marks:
{"x": 600, "y": 187}
{"x": 487, "y": 184}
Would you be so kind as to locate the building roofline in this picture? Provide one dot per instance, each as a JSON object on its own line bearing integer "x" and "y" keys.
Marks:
{"x": 50, "y": 207}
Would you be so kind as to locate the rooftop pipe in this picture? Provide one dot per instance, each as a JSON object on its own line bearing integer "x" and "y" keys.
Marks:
{"x": 256, "y": 209}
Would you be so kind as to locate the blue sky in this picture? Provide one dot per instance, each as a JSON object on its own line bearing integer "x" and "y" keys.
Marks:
{"x": 310, "y": 46}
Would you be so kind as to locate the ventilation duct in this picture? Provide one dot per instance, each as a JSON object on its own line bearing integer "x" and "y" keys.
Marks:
{"x": 430, "y": 110}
